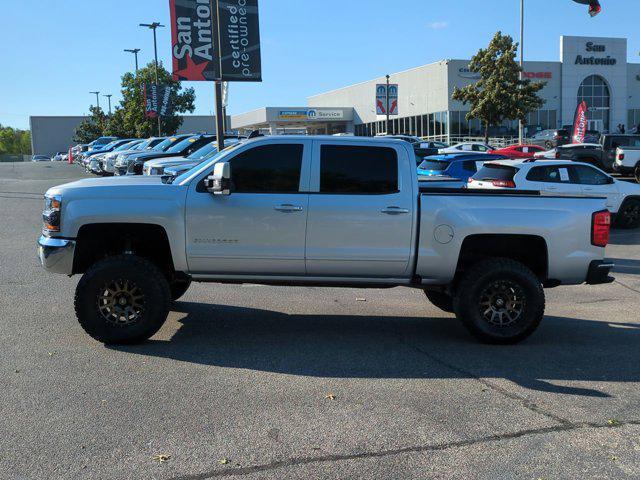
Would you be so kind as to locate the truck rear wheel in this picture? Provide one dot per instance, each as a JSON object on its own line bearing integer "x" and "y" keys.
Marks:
{"x": 500, "y": 301}
{"x": 122, "y": 300}
{"x": 441, "y": 300}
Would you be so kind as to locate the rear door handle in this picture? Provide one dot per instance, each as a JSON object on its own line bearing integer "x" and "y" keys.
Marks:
{"x": 394, "y": 210}
{"x": 287, "y": 207}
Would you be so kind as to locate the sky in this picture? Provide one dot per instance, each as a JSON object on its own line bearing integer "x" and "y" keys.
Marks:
{"x": 56, "y": 52}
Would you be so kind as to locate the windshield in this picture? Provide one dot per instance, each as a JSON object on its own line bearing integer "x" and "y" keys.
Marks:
{"x": 182, "y": 145}
{"x": 214, "y": 159}
{"x": 143, "y": 145}
{"x": 208, "y": 150}
{"x": 165, "y": 144}
{"x": 495, "y": 172}
{"x": 433, "y": 165}
{"x": 108, "y": 146}
{"x": 126, "y": 146}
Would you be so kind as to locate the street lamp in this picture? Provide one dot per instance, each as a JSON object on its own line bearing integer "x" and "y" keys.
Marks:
{"x": 520, "y": 124}
{"x": 109, "y": 98}
{"x": 154, "y": 26}
{"x": 135, "y": 53}
{"x": 97, "y": 94}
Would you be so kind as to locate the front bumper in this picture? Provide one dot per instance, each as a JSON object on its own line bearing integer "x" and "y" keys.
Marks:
{"x": 56, "y": 254}
{"x": 599, "y": 272}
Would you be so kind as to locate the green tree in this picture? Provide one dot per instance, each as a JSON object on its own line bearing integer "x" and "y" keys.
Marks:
{"x": 92, "y": 127}
{"x": 15, "y": 141}
{"x": 128, "y": 119}
{"x": 499, "y": 94}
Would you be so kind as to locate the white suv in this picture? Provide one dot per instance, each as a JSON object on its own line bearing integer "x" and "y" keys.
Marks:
{"x": 475, "y": 147}
{"x": 563, "y": 178}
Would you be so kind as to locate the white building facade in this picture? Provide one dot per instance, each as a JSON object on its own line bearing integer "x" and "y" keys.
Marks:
{"x": 590, "y": 68}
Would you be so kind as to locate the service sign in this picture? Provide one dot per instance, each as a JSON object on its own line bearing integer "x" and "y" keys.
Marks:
{"x": 239, "y": 40}
{"x": 193, "y": 33}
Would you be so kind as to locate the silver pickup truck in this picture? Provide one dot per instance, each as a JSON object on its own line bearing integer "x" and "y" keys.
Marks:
{"x": 325, "y": 211}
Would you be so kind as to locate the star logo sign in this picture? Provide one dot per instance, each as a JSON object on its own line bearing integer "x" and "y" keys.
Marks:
{"x": 192, "y": 71}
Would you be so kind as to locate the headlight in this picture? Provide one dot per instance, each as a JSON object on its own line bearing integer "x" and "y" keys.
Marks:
{"x": 51, "y": 213}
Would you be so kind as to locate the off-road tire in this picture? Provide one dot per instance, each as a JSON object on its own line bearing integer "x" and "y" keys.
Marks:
{"x": 179, "y": 288}
{"x": 148, "y": 281}
{"x": 629, "y": 214}
{"x": 512, "y": 283}
{"x": 441, "y": 300}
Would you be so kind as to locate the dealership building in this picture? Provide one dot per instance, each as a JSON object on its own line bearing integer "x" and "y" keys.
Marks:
{"x": 590, "y": 69}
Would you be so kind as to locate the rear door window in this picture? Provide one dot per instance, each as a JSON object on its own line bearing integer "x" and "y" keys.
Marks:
{"x": 550, "y": 174}
{"x": 346, "y": 169}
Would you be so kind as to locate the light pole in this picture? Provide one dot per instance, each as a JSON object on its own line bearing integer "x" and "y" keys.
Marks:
{"x": 520, "y": 124}
{"x": 135, "y": 53}
{"x": 97, "y": 94}
{"x": 389, "y": 132}
{"x": 154, "y": 26}
{"x": 109, "y": 98}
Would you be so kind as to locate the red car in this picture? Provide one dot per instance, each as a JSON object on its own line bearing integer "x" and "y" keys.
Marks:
{"x": 519, "y": 151}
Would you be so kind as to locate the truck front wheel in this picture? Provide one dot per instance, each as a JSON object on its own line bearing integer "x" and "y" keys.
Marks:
{"x": 500, "y": 301}
{"x": 122, "y": 300}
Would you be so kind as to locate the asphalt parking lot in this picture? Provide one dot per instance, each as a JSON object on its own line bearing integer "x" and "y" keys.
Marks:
{"x": 271, "y": 383}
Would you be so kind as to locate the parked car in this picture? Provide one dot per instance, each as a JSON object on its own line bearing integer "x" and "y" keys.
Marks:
{"x": 109, "y": 160}
{"x": 551, "y": 138}
{"x": 564, "y": 178}
{"x": 628, "y": 161}
{"x": 180, "y": 149}
{"x": 476, "y": 147}
{"x": 519, "y": 151}
{"x": 100, "y": 142}
{"x": 591, "y": 136}
{"x": 91, "y": 159}
{"x": 98, "y": 162}
{"x": 602, "y": 154}
{"x": 260, "y": 213}
{"x": 158, "y": 166}
{"x": 454, "y": 166}
{"x": 123, "y": 160}
{"x": 40, "y": 158}
{"x": 57, "y": 157}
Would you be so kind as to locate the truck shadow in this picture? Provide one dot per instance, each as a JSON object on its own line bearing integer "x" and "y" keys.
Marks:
{"x": 625, "y": 265}
{"x": 349, "y": 346}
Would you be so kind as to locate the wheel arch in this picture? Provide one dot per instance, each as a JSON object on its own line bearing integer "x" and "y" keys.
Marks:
{"x": 97, "y": 241}
{"x": 530, "y": 250}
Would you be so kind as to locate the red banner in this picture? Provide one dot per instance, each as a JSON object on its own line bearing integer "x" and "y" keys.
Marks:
{"x": 594, "y": 6}
{"x": 580, "y": 123}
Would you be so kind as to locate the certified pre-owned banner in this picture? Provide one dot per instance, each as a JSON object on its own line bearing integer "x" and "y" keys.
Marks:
{"x": 215, "y": 40}
{"x": 239, "y": 40}
{"x": 157, "y": 100}
{"x": 194, "y": 38}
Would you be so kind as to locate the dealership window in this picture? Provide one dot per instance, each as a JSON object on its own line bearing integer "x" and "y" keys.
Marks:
{"x": 595, "y": 92}
{"x": 634, "y": 118}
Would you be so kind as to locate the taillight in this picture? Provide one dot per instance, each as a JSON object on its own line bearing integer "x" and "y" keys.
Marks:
{"x": 557, "y": 155}
{"x": 504, "y": 183}
{"x": 600, "y": 228}
{"x": 621, "y": 156}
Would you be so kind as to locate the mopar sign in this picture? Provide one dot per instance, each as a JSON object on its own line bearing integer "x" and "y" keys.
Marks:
{"x": 311, "y": 114}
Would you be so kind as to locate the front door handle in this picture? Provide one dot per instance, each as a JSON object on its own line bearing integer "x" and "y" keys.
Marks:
{"x": 287, "y": 207}
{"x": 394, "y": 210}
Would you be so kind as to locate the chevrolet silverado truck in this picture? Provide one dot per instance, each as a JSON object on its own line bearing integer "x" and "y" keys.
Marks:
{"x": 318, "y": 211}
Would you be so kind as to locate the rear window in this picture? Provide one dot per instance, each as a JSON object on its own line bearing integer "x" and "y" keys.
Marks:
{"x": 562, "y": 133}
{"x": 495, "y": 172}
{"x": 358, "y": 170}
{"x": 433, "y": 165}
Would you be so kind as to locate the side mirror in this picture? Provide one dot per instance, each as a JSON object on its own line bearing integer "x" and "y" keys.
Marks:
{"x": 220, "y": 182}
